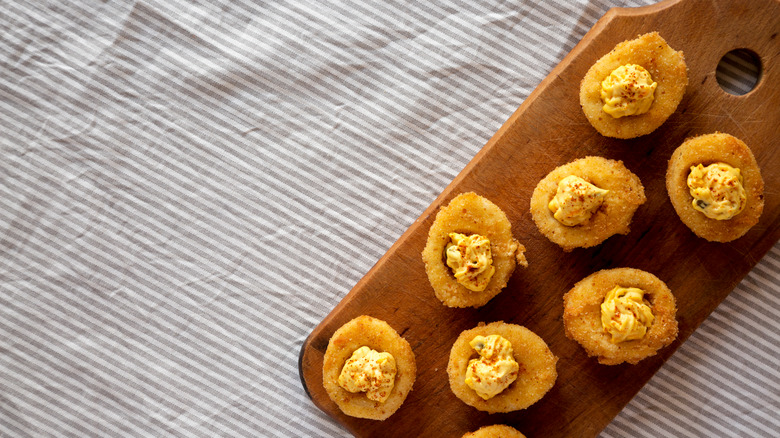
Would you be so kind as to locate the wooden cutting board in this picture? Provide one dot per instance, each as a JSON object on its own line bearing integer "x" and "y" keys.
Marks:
{"x": 548, "y": 130}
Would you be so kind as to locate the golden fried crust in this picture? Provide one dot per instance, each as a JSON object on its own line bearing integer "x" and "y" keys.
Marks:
{"x": 582, "y": 315}
{"x": 495, "y": 431}
{"x": 537, "y": 368}
{"x": 377, "y": 335}
{"x": 469, "y": 213}
{"x": 665, "y": 65}
{"x": 626, "y": 194}
{"x": 707, "y": 149}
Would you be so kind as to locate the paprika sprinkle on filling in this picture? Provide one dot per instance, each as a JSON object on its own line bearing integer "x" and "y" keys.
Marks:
{"x": 369, "y": 371}
{"x": 576, "y": 200}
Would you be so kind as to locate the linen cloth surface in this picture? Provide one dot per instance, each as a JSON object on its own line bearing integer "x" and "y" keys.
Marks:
{"x": 189, "y": 187}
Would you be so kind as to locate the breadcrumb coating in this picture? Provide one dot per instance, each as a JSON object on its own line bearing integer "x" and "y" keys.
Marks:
{"x": 536, "y": 376}
{"x": 665, "y": 65}
{"x": 582, "y": 315}
{"x": 626, "y": 194}
{"x": 469, "y": 213}
{"x": 377, "y": 335}
{"x": 495, "y": 431}
{"x": 707, "y": 149}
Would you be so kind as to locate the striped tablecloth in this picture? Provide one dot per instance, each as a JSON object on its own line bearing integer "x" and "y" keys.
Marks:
{"x": 188, "y": 188}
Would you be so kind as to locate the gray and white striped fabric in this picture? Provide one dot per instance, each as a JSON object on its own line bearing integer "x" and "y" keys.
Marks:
{"x": 188, "y": 188}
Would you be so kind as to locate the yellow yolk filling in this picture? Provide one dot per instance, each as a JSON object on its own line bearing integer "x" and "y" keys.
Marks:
{"x": 576, "y": 200}
{"x": 717, "y": 190}
{"x": 495, "y": 370}
{"x": 625, "y": 315}
{"x": 369, "y": 371}
{"x": 471, "y": 260}
{"x": 627, "y": 91}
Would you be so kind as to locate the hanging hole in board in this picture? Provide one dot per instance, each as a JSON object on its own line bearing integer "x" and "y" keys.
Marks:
{"x": 738, "y": 71}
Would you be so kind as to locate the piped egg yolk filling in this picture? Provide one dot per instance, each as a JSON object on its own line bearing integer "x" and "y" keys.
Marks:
{"x": 471, "y": 261}
{"x": 495, "y": 369}
{"x": 576, "y": 200}
{"x": 625, "y": 315}
{"x": 627, "y": 91}
{"x": 369, "y": 371}
{"x": 717, "y": 190}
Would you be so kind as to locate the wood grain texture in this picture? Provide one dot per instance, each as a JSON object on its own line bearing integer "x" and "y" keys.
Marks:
{"x": 548, "y": 130}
